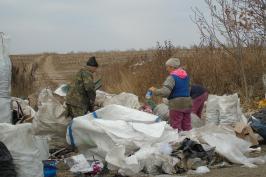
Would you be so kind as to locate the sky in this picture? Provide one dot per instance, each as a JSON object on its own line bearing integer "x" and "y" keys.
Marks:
{"x": 62, "y": 26}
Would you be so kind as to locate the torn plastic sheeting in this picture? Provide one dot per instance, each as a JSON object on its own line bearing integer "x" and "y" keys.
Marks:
{"x": 231, "y": 147}
{"x": 116, "y": 139}
{"x": 226, "y": 143}
{"x": 80, "y": 164}
{"x": 149, "y": 157}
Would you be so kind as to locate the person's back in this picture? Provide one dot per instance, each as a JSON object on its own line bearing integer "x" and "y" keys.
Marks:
{"x": 196, "y": 90}
{"x": 199, "y": 94}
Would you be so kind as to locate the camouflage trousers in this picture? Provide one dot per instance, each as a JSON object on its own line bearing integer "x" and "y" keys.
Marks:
{"x": 76, "y": 111}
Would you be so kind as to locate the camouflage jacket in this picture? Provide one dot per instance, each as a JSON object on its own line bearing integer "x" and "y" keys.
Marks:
{"x": 82, "y": 92}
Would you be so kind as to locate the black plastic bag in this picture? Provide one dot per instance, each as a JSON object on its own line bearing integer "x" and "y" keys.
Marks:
{"x": 7, "y": 168}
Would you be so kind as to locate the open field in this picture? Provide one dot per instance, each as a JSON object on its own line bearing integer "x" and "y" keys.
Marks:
{"x": 136, "y": 71}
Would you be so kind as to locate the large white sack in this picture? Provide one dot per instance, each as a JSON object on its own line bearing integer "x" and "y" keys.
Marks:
{"x": 24, "y": 149}
{"x": 50, "y": 119}
{"x": 5, "y": 80}
{"x": 125, "y": 99}
{"x": 212, "y": 109}
{"x": 118, "y": 112}
{"x": 113, "y": 140}
{"x": 224, "y": 110}
{"x": 101, "y": 96}
{"x": 5, "y": 110}
{"x": 229, "y": 106}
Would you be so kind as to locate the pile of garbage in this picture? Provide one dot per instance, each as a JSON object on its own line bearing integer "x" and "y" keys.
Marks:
{"x": 122, "y": 136}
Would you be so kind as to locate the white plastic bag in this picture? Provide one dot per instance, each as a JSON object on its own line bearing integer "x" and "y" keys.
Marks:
{"x": 124, "y": 99}
{"x": 5, "y": 80}
{"x": 50, "y": 119}
{"x": 212, "y": 109}
{"x": 224, "y": 110}
{"x": 23, "y": 147}
{"x": 101, "y": 96}
{"x": 226, "y": 143}
{"x": 118, "y": 112}
{"x": 229, "y": 106}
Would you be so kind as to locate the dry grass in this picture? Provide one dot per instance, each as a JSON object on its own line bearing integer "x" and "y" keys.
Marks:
{"x": 136, "y": 71}
{"x": 216, "y": 70}
{"x": 23, "y": 76}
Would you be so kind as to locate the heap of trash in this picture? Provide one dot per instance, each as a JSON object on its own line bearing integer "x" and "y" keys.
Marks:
{"x": 122, "y": 136}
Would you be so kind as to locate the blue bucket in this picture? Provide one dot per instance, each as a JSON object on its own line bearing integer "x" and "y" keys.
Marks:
{"x": 49, "y": 168}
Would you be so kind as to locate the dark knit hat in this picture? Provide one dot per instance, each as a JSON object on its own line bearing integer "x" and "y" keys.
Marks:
{"x": 92, "y": 62}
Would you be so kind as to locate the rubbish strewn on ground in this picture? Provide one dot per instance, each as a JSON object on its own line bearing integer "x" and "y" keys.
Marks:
{"x": 123, "y": 137}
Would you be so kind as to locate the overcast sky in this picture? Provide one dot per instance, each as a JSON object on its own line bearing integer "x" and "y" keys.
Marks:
{"x": 91, "y": 25}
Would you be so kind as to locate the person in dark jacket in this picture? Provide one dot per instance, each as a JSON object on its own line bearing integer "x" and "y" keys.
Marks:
{"x": 199, "y": 95}
{"x": 81, "y": 95}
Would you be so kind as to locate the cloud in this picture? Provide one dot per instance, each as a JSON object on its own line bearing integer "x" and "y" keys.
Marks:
{"x": 79, "y": 25}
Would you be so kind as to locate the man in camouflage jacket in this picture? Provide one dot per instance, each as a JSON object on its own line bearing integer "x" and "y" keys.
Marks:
{"x": 81, "y": 95}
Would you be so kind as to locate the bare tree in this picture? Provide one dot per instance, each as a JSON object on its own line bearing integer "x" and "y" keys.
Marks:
{"x": 233, "y": 25}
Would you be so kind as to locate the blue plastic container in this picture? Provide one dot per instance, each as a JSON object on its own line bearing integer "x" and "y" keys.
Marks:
{"x": 49, "y": 168}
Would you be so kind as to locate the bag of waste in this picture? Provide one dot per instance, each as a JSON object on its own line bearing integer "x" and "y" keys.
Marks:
{"x": 7, "y": 167}
{"x": 122, "y": 136}
{"x": 124, "y": 99}
{"x": 224, "y": 110}
{"x": 101, "y": 96}
{"x": 50, "y": 119}
{"x": 5, "y": 80}
{"x": 259, "y": 126}
{"x": 22, "y": 145}
{"x": 227, "y": 144}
